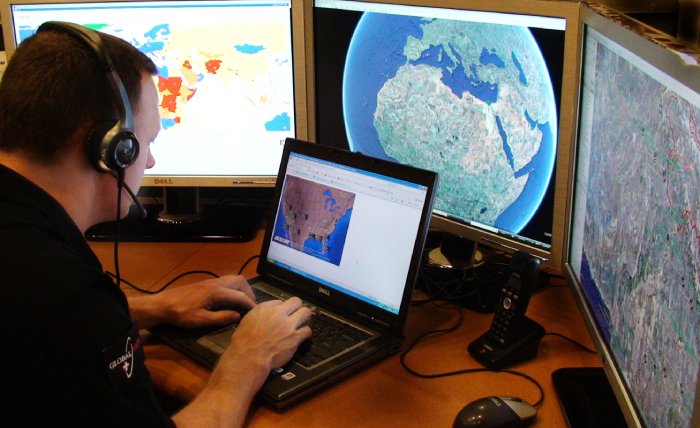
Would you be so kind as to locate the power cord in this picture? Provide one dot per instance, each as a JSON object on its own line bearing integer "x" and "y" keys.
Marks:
{"x": 119, "y": 280}
{"x": 457, "y": 324}
{"x": 168, "y": 284}
{"x": 572, "y": 341}
{"x": 450, "y": 290}
{"x": 247, "y": 262}
{"x": 473, "y": 287}
{"x": 432, "y": 333}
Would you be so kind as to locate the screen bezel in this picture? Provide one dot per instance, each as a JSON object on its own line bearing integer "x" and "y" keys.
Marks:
{"x": 229, "y": 180}
{"x": 569, "y": 11}
{"x": 672, "y": 64}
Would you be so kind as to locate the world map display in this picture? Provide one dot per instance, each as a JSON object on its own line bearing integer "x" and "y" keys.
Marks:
{"x": 183, "y": 64}
{"x": 472, "y": 101}
{"x": 221, "y": 89}
{"x": 313, "y": 218}
{"x": 641, "y": 239}
{"x": 225, "y": 77}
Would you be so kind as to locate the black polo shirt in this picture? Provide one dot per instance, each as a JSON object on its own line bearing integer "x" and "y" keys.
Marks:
{"x": 70, "y": 354}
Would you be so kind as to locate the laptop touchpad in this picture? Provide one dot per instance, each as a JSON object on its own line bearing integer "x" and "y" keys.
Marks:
{"x": 217, "y": 342}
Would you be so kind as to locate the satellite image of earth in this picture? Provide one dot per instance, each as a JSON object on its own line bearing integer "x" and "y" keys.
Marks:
{"x": 472, "y": 101}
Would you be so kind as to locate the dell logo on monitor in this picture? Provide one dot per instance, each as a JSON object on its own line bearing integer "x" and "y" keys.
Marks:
{"x": 325, "y": 291}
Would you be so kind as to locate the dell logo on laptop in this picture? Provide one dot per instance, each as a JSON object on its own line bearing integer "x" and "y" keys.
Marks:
{"x": 325, "y": 291}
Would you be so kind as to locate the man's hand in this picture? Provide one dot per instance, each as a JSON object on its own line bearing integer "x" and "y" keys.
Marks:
{"x": 275, "y": 328}
{"x": 266, "y": 338}
{"x": 216, "y": 301}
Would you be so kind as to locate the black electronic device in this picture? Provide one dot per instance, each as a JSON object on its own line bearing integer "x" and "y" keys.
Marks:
{"x": 496, "y": 412}
{"x": 463, "y": 120}
{"x": 512, "y": 337}
{"x": 586, "y": 397}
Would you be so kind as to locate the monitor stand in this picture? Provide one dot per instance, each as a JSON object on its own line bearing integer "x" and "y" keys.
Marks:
{"x": 457, "y": 258}
{"x": 180, "y": 206}
{"x": 586, "y": 398}
{"x": 456, "y": 253}
{"x": 182, "y": 218}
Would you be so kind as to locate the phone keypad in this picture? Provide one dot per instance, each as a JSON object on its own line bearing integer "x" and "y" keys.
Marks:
{"x": 502, "y": 326}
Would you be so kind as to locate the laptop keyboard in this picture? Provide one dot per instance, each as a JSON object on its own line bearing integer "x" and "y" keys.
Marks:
{"x": 263, "y": 296}
{"x": 331, "y": 337}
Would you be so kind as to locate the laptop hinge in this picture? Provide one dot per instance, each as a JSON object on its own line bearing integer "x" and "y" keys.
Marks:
{"x": 278, "y": 279}
{"x": 373, "y": 319}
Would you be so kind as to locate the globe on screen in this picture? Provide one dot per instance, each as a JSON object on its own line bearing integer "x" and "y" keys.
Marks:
{"x": 472, "y": 101}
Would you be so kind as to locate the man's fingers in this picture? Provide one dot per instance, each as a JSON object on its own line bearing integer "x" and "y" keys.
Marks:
{"x": 231, "y": 299}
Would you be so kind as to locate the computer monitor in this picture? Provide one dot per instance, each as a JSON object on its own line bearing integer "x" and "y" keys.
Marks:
{"x": 231, "y": 83}
{"x": 634, "y": 254}
{"x": 481, "y": 92}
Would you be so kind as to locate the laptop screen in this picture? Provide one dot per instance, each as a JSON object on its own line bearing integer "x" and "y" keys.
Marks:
{"x": 350, "y": 229}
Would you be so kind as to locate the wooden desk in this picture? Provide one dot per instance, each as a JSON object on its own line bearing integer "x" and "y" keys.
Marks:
{"x": 384, "y": 395}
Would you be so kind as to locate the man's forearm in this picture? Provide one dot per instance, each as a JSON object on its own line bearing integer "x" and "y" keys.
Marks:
{"x": 145, "y": 311}
{"x": 227, "y": 396}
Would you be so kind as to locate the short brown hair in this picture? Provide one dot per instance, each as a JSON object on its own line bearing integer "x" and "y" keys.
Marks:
{"x": 54, "y": 86}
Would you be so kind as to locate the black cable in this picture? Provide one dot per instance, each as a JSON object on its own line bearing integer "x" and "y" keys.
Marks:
{"x": 584, "y": 347}
{"x": 250, "y": 259}
{"x": 451, "y": 290}
{"x": 468, "y": 283}
{"x": 420, "y": 338}
{"x": 558, "y": 286}
{"x": 120, "y": 186}
{"x": 425, "y": 335}
{"x": 555, "y": 275}
{"x": 172, "y": 281}
{"x": 169, "y": 283}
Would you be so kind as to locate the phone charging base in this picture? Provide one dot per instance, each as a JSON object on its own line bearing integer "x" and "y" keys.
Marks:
{"x": 497, "y": 356}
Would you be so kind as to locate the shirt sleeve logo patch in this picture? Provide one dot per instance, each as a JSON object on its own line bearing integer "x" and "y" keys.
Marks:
{"x": 122, "y": 357}
{"x": 126, "y": 360}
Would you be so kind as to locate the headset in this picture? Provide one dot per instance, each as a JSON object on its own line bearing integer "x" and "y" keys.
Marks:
{"x": 111, "y": 146}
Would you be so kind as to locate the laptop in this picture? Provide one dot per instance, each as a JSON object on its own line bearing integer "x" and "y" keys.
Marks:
{"x": 345, "y": 234}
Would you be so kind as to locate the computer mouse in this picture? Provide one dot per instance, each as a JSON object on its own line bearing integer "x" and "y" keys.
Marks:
{"x": 496, "y": 412}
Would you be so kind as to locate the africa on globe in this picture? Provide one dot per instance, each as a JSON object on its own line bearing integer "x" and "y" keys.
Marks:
{"x": 472, "y": 101}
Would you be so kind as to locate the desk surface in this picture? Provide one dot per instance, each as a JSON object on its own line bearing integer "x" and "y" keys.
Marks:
{"x": 384, "y": 395}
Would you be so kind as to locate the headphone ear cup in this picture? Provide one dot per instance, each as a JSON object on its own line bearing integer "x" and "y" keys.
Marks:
{"x": 111, "y": 147}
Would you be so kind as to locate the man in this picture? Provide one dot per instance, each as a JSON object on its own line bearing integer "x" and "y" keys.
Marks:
{"x": 71, "y": 353}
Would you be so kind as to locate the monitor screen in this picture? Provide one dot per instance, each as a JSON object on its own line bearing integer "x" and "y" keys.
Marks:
{"x": 634, "y": 256}
{"x": 476, "y": 91}
{"x": 226, "y": 79}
